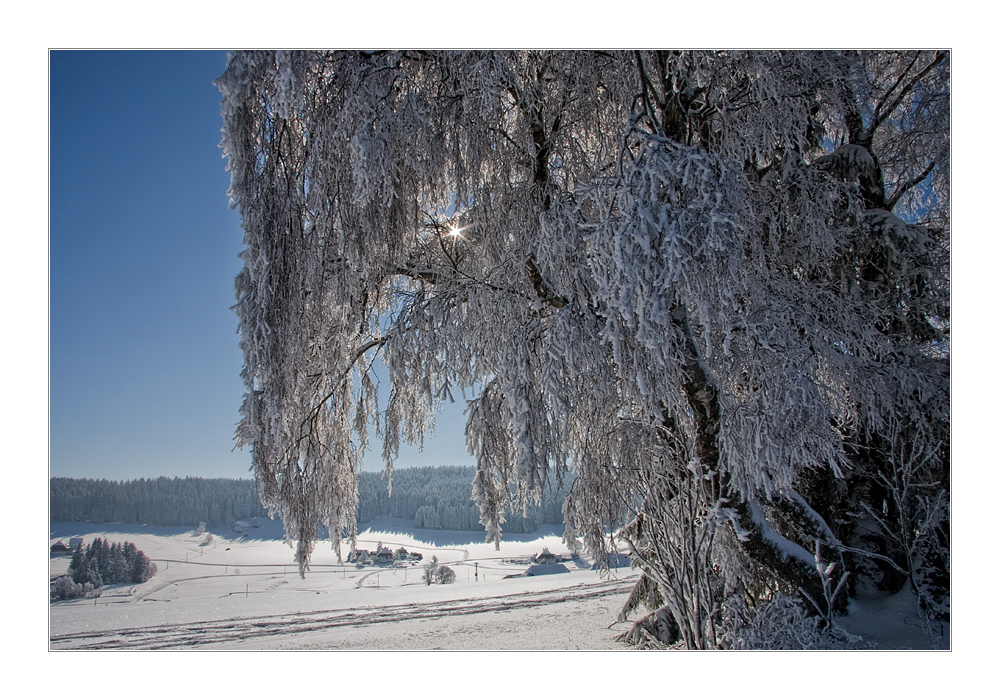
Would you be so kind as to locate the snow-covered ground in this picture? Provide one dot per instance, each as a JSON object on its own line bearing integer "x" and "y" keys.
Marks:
{"x": 243, "y": 591}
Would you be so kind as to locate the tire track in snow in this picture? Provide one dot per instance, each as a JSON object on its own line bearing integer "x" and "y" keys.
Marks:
{"x": 241, "y": 629}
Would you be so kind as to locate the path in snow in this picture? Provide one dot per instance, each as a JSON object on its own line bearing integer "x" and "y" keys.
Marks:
{"x": 401, "y": 625}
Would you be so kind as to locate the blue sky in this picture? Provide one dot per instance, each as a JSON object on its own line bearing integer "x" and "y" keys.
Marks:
{"x": 143, "y": 357}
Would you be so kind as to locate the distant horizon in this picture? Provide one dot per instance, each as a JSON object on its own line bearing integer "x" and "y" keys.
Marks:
{"x": 248, "y": 476}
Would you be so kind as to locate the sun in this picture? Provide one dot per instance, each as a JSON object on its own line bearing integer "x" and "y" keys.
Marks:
{"x": 455, "y": 232}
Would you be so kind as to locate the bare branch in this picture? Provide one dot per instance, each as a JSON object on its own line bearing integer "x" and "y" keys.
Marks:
{"x": 881, "y": 116}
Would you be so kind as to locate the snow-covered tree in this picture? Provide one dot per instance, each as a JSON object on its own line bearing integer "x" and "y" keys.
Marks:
{"x": 430, "y": 574}
{"x": 709, "y": 288}
{"x": 444, "y": 575}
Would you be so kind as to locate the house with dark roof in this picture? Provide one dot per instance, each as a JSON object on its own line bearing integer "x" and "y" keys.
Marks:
{"x": 61, "y": 547}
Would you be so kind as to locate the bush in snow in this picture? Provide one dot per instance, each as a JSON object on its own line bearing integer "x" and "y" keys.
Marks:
{"x": 783, "y": 623}
{"x": 437, "y": 573}
{"x": 64, "y": 587}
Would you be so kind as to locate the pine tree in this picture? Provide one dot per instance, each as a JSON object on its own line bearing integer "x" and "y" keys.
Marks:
{"x": 90, "y": 574}
{"x": 117, "y": 565}
{"x": 76, "y": 564}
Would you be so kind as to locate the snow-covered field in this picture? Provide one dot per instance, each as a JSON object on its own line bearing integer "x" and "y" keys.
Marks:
{"x": 243, "y": 592}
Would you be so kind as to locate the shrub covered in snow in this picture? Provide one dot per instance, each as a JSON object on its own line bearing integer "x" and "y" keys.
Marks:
{"x": 783, "y": 623}
{"x": 65, "y": 588}
{"x": 437, "y": 573}
{"x": 444, "y": 574}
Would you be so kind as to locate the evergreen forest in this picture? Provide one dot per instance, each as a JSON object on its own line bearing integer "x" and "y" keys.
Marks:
{"x": 434, "y": 498}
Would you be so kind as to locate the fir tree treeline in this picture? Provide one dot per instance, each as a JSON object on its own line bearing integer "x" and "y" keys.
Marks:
{"x": 161, "y": 501}
{"x": 440, "y": 498}
{"x": 435, "y": 498}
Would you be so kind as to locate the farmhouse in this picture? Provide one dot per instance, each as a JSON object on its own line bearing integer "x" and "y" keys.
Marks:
{"x": 360, "y": 556}
{"x": 546, "y": 569}
{"x": 61, "y": 547}
{"x": 547, "y": 557}
{"x": 383, "y": 555}
{"x": 541, "y": 570}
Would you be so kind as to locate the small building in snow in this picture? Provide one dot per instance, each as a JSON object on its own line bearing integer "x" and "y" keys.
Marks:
{"x": 359, "y": 556}
{"x": 546, "y": 569}
{"x": 547, "y": 557}
{"x": 61, "y": 547}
